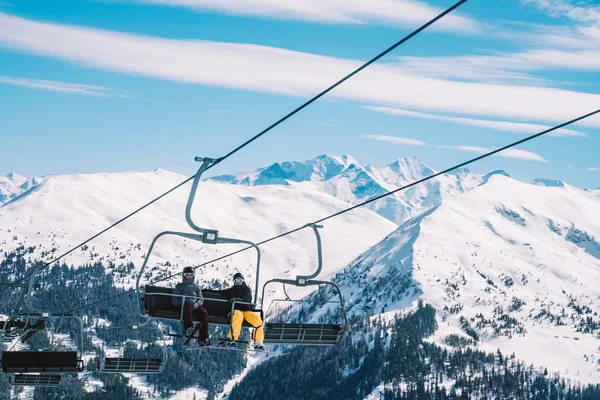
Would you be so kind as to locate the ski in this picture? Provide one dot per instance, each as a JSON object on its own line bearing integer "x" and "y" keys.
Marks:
{"x": 189, "y": 338}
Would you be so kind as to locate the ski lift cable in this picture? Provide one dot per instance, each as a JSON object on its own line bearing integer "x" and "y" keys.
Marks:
{"x": 488, "y": 154}
{"x": 252, "y": 139}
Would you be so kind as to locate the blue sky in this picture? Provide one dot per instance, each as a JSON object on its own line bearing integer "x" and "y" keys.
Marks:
{"x": 109, "y": 86}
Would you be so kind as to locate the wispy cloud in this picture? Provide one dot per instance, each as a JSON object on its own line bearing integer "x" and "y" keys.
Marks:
{"x": 395, "y": 140}
{"x": 503, "y": 126}
{"x": 275, "y": 70}
{"x": 510, "y": 68}
{"x": 585, "y": 34}
{"x": 579, "y": 12}
{"x": 571, "y": 168}
{"x": 406, "y": 13}
{"x": 508, "y": 153}
{"x": 64, "y": 87}
{"x": 592, "y": 169}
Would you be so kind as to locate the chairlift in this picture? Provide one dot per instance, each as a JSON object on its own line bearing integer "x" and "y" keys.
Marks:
{"x": 140, "y": 365}
{"x": 22, "y": 363}
{"x": 313, "y": 334}
{"x": 156, "y": 301}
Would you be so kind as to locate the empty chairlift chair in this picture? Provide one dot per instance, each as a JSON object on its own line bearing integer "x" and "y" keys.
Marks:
{"x": 138, "y": 365}
{"x": 49, "y": 363}
{"x": 37, "y": 368}
{"x": 315, "y": 334}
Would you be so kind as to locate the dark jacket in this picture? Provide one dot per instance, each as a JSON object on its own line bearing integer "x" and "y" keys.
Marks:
{"x": 188, "y": 288}
{"x": 239, "y": 293}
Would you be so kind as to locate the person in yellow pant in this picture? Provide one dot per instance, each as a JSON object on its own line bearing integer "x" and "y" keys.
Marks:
{"x": 241, "y": 292}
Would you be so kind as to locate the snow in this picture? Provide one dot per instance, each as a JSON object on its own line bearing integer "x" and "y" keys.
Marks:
{"x": 13, "y": 185}
{"x": 505, "y": 248}
{"x": 189, "y": 393}
{"x": 65, "y": 210}
{"x": 476, "y": 247}
{"x": 252, "y": 360}
{"x": 344, "y": 178}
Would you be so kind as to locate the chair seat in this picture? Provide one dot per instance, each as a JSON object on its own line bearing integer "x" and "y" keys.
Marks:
{"x": 299, "y": 334}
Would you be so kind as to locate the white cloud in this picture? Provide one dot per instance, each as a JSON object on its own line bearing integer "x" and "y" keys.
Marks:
{"x": 571, "y": 168}
{"x": 503, "y": 126}
{"x": 406, "y": 13}
{"x": 64, "y": 87}
{"x": 508, "y": 153}
{"x": 274, "y": 70}
{"x": 557, "y": 8}
{"x": 592, "y": 169}
{"x": 503, "y": 67}
{"x": 395, "y": 140}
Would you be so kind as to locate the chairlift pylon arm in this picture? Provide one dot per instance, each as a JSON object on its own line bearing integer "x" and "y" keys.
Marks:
{"x": 300, "y": 279}
{"x": 206, "y": 164}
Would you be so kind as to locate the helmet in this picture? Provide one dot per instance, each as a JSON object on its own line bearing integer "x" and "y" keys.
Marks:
{"x": 238, "y": 278}
{"x": 188, "y": 273}
{"x": 238, "y": 275}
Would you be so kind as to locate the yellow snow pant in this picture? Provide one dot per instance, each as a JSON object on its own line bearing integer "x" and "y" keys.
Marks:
{"x": 254, "y": 320}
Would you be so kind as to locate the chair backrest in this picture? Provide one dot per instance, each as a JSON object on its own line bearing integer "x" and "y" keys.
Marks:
{"x": 40, "y": 361}
{"x": 162, "y": 302}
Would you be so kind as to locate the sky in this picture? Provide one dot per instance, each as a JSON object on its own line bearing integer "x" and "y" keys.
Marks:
{"x": 134, "y": 85}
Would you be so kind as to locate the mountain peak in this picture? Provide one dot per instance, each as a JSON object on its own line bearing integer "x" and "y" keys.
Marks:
{"x": 547, "y": 182}
{"x": 16, "y": 178}
{"x": 498, "y": 172}
{"x": 410, "y": 167}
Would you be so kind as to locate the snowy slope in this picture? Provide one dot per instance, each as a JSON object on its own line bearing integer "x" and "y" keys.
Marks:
{"x": 12, "y": 185}
{"x": 65, "y": 210}
{"x": 516, "y": 263}
{"x": 344, "y": 178}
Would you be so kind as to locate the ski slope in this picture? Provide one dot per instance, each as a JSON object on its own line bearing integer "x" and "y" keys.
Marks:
{"x": 63, "y": 211}
{"x": 519, "y": 262}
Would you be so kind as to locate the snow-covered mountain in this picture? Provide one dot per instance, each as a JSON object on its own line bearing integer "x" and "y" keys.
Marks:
{"x": 513, "y": 264}
{"x": 63, "y": 211}
{"x": 13, "y": 185}
{"x": 344, "y": 178}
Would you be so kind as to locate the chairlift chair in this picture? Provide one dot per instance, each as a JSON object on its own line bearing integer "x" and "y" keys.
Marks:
{"x": 53, "y": 362}
{"x": 313, "y": 334}
{"x": 140, "y": 365}
{"x": 156, "y": 301}
{"x": 24, "y": 363}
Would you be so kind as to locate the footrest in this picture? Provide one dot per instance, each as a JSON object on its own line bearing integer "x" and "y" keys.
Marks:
{"x": 298, "y": 334}
{"x": 137, "y": 365}
{"x": 36, "y": 380}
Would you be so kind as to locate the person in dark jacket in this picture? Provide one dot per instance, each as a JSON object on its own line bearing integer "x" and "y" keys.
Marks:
{"x": 192, "y": 305}
{"x": 241, "y": 292}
